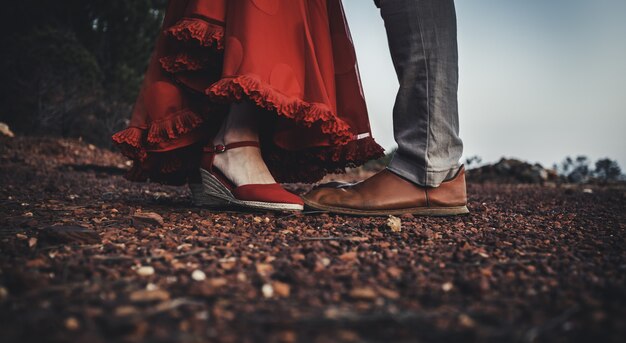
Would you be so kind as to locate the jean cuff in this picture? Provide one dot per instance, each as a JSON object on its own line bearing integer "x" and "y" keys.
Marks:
{"x": 418, "y": 174}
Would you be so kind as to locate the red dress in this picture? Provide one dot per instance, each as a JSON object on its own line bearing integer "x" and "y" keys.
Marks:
{"x": 294, "y": 59}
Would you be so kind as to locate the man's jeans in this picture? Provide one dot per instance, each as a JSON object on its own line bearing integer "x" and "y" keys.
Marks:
{"x": 423, "y": 45}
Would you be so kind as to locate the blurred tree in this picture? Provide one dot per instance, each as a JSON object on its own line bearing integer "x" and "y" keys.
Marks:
{"x": 566, "y": 165}
{"x": 576, "y": 170}
{"x": 47, "y": 83}
{"x": 607, "y": 170}
{"x": 470, "y": 161}
{"x": 74, "y": 67}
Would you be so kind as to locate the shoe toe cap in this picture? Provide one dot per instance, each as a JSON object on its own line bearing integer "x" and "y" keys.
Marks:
{"x": 272, "y": 193}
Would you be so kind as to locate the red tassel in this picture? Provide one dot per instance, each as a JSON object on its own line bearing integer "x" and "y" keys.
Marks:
{"x": 173, "y": 127}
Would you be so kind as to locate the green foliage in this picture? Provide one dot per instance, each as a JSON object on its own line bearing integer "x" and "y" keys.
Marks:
{"x": 74, "y": 67}
{"x": 51, "y": 75}
{"x": 607, "y": 170}
{"x": 579, "y": 170}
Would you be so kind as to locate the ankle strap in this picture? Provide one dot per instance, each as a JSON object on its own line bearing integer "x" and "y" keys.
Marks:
{"x": 220, "y": 148}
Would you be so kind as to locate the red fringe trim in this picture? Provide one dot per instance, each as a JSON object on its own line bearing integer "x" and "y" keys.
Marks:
{"x": 306, "y": 166}
{"x": 202, "y": 32}
{"x": 183, "y": 62}
{"x": 173, "y": 167}
{"x": 321, "y": 161}
{"x": 129, "y": 142}
{"x": 173, "y": 126}
{"x": 234, "y": 89}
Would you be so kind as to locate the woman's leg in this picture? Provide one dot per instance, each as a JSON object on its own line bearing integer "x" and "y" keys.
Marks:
{"x": 242, "y": 165}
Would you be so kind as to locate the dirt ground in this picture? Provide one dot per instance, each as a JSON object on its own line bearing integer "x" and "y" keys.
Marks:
{"x": 85, "y": 257}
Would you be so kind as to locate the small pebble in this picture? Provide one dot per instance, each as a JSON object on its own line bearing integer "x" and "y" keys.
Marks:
{"x": 198, "y": 275}
{"x": 145, "y": 271}
{"x": 447, "y": 287}
{"x": 202, "y": 315}
{"x": 72, "y": 324}
{"x": 267, "y": 290}
{"x": 3, "y": 293}
{"x": 466, "y": 321}
{"x": 281, "y": 289}
{"x": 394, "y": 224}
{"x": 363, "y": 293}
{"x": 144, "y": 296}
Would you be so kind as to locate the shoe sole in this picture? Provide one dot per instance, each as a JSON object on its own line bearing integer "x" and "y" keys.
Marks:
{"x": 201, "y": 199}
{"x": 215, "y": 194}
{"x": 420, "y": 211}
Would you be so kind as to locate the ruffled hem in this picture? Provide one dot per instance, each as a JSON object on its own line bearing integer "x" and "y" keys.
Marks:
{"x": 173, "y": 127}
{"x": 137, "y": 143}
{"x": 183, "y": 62}
{"x": 321, "y": 161}
{"x": 168, "y": 151}
{"x": 307, "y": 166}
{"x": 174, "y": 167}
{"x": 264, "y": 96}
{"x": 129, "y": 142}
{"x": 197, "y": 30}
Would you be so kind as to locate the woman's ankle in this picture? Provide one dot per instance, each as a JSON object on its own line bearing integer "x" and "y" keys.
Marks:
{"x": 236, "y": 136}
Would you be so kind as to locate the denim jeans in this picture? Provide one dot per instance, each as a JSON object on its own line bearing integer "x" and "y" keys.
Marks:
{"x": 423, "y": 44}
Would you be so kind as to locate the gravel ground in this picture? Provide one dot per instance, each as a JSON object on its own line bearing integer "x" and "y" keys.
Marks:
{"x": 87, "y": 256}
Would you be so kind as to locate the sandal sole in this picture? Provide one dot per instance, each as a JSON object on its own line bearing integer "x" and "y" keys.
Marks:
{"x": 420, "y": 211}
{"x": 215, "y": 194}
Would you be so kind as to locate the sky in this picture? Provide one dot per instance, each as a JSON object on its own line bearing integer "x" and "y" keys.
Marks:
{"x": 539, "y": 80}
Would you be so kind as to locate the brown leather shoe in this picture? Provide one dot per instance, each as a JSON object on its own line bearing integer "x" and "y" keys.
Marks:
{"x": 389, "y": 194}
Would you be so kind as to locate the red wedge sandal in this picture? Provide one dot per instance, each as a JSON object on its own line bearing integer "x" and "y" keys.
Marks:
{"x": 218, "y": 191}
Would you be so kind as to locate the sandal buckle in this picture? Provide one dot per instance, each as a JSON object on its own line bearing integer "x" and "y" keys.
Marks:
{"x": 220, "y": 148}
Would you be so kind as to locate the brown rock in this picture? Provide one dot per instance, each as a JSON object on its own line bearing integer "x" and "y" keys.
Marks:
{"x": 72, "y": 324}
{"x": 363, "y": 293}
{"x": 394, "y": 272}
{"x": 388, "y": 293}
{"x": 466, "y": 321}
{"x": 55, "y": 235}
{"x": 217, "y": 282}
{"x": 6, "y": 131}
{"x": 349, "y": 256}
{"x": 281, "y": 289}
{"x": 125, "y": 311}
{"x": 143, "y": 296}
{"x": 264, "y": 269}
{"x": 147, "y": 219}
